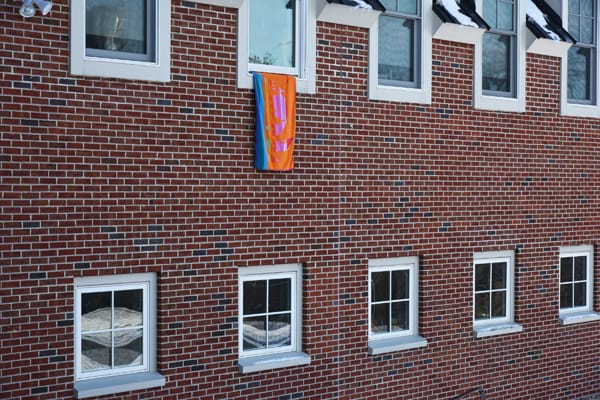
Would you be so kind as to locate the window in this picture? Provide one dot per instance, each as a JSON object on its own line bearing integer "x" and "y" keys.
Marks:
{"x": 576, "y": 285}
{"x": 493, "y": 297}
{"x": 270, "y": 318}
{"x": 393, "y": 305}
{"x": 499, "y": 48}
{"x": 277, "y": 36}
{"x": 115, "y": 334}
{"x": 113, "y": 38}
{"x": 582, "y": 55}
{"x": 500, "y": 57}
{"x": 400, "y": 52}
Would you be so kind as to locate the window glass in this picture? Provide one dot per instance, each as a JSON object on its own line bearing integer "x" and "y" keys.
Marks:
{"x": 272, "y": 34}
{"x": 390, "y": 300}
{"x": 112, "y": 330}
{"x": 581, "y": 59}
{"x": 491, "y": 290}
{"x": 267, "y": 319}
{"x": 573, "y": 281}
{"x": 498, "y": 50}
{"x": 120, "y": 29}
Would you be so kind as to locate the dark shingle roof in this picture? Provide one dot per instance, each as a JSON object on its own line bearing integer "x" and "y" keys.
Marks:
{"x": 545, "y": 23}
{"x": 460, "y": 12}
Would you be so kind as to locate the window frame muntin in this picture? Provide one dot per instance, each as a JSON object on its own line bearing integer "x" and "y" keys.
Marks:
{"x": 587, "y": 251}
{"x": 403, "y": 263}
{"x": 294, "y": 271}
{"x": 151, "y": 54}
{"x": 495, "y": 257}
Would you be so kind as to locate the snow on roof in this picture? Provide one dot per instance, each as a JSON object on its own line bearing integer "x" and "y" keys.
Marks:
{"x": 540, "y": 19}
{"x": 364, "y": 4}
{"x": 455, "y": 11}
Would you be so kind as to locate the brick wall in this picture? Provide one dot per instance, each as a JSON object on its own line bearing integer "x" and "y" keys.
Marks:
{"x": 108, "y": 176}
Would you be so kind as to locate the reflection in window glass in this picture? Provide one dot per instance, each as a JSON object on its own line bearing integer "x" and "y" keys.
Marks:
{"x": 120, "y": 29}
{"x": 267, "y": 314}
{"x": 272, "y": 32}
{"x": 499, "y": 50}
{"x": 491, "y": 290}
{"x": 573, "y": 281}
{"x": 399, "y": 44}
{"x": 581, "y": 59}
{"x": 390, "y": 301}
{"x": 112, "y": 329}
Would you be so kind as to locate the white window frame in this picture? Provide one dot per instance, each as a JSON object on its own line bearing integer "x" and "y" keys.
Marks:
{"x": 401, "y": 340}
{"x": 503, "y": 103}
{"x": 97, "y": 383}
{"x": 506, "y": 324}
{"x": 157, "y": 70}
{"x": 580, "y": 109}
{"x": 279, "y": 357}
{"x": 419, "y": 95}
{"x": 575, "y": 315}
{"x": 305, "y": 48}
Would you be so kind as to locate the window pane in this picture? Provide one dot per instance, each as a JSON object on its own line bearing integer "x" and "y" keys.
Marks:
{"x": 128, "y": 348}
{"x": 255, "y": 297}
{"x": 408, "y": 6}
{"x": 566, "y": 295}
{"x": 580, "y": 268}
{"x": 498, "y": 304}
{"x": 116, "y": 25}
{"x": 505, "y": 15}
{"x": 96, "y": 311}
{"x": 400, "y": 316}
{"x": 496, "y": 62}
{"x": 380, "y": 286}
{"x": 579, "y": 294}
{"x": 482, "y": 277}
{"x": 587, "y": 7}
{"x": 400, "y": 284}
{"x": 579, "y": 73}
{"x": 380, "y": 318}
{"x": 499, "y": 275}
{"x": 489, "y": 12}
{"x": 272, "y": 32}
{"x": 280, "y": 294}
{"x": 96, "y": 351}
{"x": 587, "y": 31}
{"x": 280, "y": 330}
{"x": 128, "y": 308}
{"x": 566, "y": 269}
{"x": 396, "y": 49}
{"x": 255, "y": 333}
{"x": 574, "y": 26}
{"x": 482, "y": 305}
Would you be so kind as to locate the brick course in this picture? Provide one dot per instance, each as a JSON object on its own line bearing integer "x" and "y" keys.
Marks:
{"x": 109, "y": 176}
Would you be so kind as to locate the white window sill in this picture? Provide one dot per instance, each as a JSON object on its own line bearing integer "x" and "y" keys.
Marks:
{"x": 396, "y": 344}
{"x": 503, "y": 328}
{"x": 117, "y": 384}
{"x": 578, "y": 317}
{"x": 273, "y": 361}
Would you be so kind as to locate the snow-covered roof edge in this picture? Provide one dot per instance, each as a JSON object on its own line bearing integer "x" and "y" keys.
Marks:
{"x": 545, "y": 23}
{"x": 460, "y": 12}
{"x": 365, "y": 4}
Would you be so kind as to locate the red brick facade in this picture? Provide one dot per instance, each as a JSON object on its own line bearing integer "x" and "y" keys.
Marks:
{"x": 110, "y": 176}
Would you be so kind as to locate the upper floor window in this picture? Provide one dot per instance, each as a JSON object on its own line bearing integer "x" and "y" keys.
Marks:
{"x": 277, "y": 36}
{"x": 115, "y": 334}
{"x": 500, "y": 57}
{"x": 499, "y": 48}
{"x": 121, "y": 39}
{"x": 582, "y": 56}
{"x": 400, "y": 52}
{"x": 493, "y": 293}
{"x": 393, "y": 305}
{"x": 399, "y": 43}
